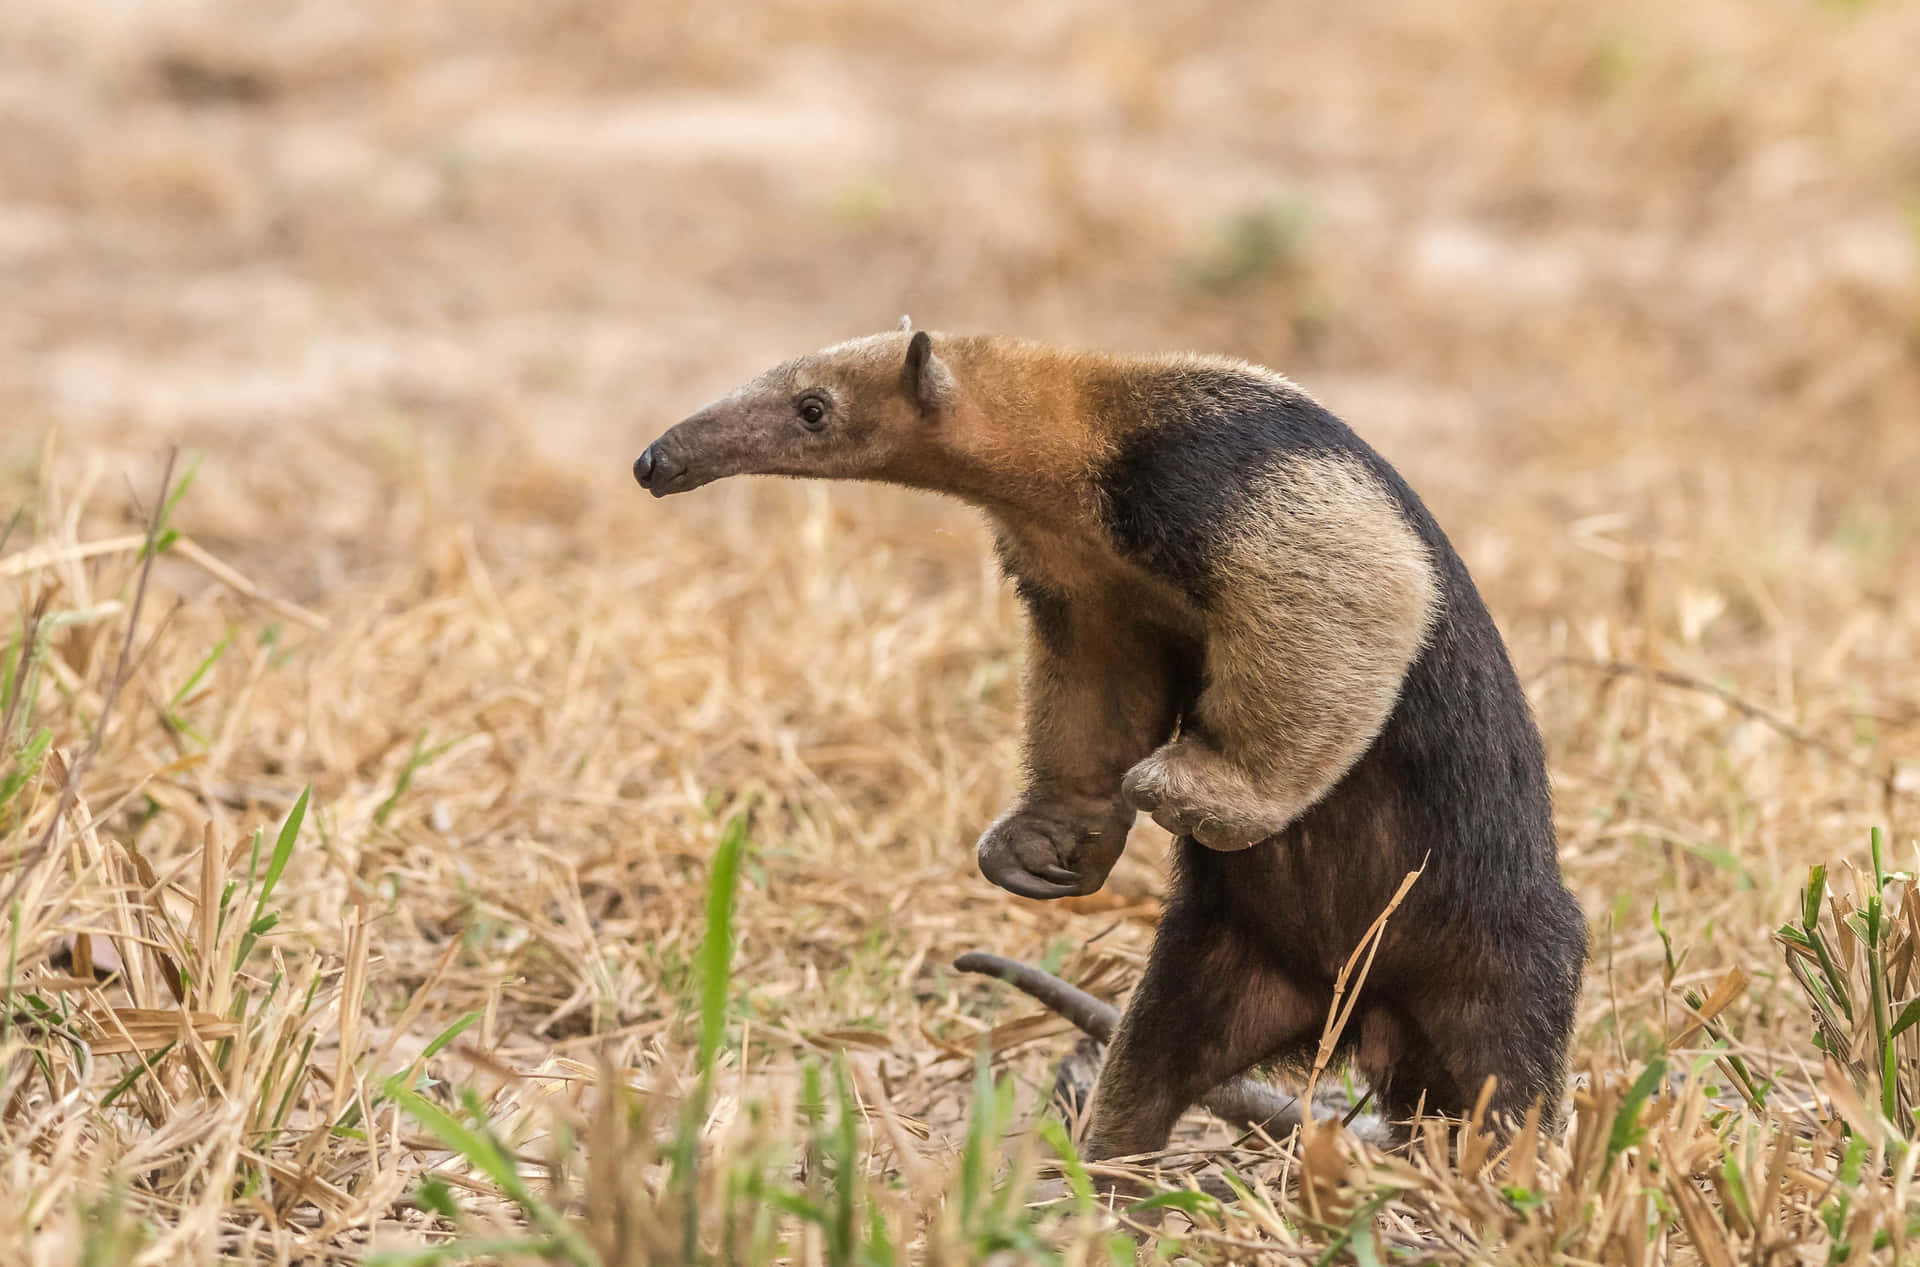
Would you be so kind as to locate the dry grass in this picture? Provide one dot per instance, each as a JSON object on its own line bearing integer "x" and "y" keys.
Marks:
{"x": 1632, "y": 296}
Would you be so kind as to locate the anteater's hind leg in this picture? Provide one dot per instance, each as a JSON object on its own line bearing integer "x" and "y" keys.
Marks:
{"x": 1210, "y": 1006}
{"x": 1452, "y": 1046}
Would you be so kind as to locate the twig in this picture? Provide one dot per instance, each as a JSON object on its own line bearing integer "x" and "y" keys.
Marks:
{"x": 34, "y": 558}
{"x": 29, "y": 645}
{"x": 1740, "y": 704}
{"x": 222, "y": 572}
{"x": 19, "y": 513}
{"x": 123, "y": 668}
{"x": 1362, "y": 958}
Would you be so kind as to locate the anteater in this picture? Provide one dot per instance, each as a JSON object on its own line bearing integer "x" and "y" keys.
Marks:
{"x": 1243, "y": 622}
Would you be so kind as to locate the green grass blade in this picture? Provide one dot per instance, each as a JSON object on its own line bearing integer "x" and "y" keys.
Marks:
{"x": 13, "y": 966}
{"x": 163, "y": 536}
{"x": 25, "y": 766}
{"x": 420, "y": 757}
{"x": 446, "y": 1036}
{"x": 715, "y": 964}
{"x": 1079, "y": 1181}
{"x": 145, "y": 1064}
{"x": 1185, "y": 1200}
{"x": 482, "y": 1151}
{"x": 281, "y": 1109}
{"x": 263, "y": 920}
{"x": 1814, "y": 895}
{"x": 9, "y": 661}
{"x": 283, "y": 849}
{"x": 976, "y": 1156}
{"x": 199, "y": 674}
{"x": 846, "y": 1167}
{"x": 1908, "y": 1015}
{"x": 716, "y": 948}
{"x": 1627, "y": 1130}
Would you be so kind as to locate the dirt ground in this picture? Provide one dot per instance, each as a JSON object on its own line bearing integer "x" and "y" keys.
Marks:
{"x": 1630, "y": 293}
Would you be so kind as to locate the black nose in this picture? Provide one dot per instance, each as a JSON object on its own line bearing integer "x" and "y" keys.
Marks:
{"x": 656, "y": 470}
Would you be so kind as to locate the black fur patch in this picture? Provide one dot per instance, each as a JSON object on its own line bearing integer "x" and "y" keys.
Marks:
{"x": 1457, "y": 779}
{"x": 1047, "y": 609}
{"x": 1170, "y": 495}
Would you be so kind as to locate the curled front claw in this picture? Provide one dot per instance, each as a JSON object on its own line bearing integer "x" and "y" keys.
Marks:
{"x": 1044, "y": 852}
{"x": 1193, "y": 791}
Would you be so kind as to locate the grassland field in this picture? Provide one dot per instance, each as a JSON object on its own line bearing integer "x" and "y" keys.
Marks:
{"x": 360, "y": 892}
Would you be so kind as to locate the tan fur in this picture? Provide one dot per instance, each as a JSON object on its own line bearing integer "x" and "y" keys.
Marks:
{"x": 1327, "y": 592}
{"x": 1097, "y": 695}
{"x": 1030, "y": 426}
{"x": 1328, "y": 598}
{"x": 1016, "y": 438}
{"x": 1225, "y": 675}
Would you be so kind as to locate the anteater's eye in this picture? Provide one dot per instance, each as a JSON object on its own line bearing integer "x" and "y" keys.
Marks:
{"x": 813, "y": 414}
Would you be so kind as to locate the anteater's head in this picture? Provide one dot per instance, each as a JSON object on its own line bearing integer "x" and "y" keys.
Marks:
{"x": 869, "y": 409}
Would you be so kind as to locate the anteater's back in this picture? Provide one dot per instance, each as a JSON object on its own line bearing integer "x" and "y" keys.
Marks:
{"x": 1456, "y": 780}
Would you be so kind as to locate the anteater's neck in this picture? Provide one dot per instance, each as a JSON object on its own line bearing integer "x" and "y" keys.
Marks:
{"x": 1037, "y": 425}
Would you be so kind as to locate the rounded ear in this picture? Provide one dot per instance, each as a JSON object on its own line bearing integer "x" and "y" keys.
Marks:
{"x": 928, "y": 380}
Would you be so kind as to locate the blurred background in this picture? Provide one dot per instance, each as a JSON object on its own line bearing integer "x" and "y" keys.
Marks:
{"x": 1629, "y": 292}
{"x": 1480, "y": 230}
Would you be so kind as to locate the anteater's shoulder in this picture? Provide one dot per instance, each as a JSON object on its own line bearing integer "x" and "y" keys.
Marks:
{"x": 1215, "y": 401}
{"x": 1207, "y": 425}
{"x": 1206, "y": 446}
{"x": 1124, "y": 397}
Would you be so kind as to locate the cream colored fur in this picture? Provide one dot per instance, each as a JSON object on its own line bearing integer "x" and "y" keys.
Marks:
{"x": 1327, "y": 595}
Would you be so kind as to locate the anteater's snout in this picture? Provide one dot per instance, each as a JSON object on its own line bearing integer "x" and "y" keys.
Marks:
{"x": 656, "y": 470}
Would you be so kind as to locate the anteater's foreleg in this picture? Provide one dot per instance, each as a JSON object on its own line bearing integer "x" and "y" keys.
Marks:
{"x": 1098, "y": 696}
